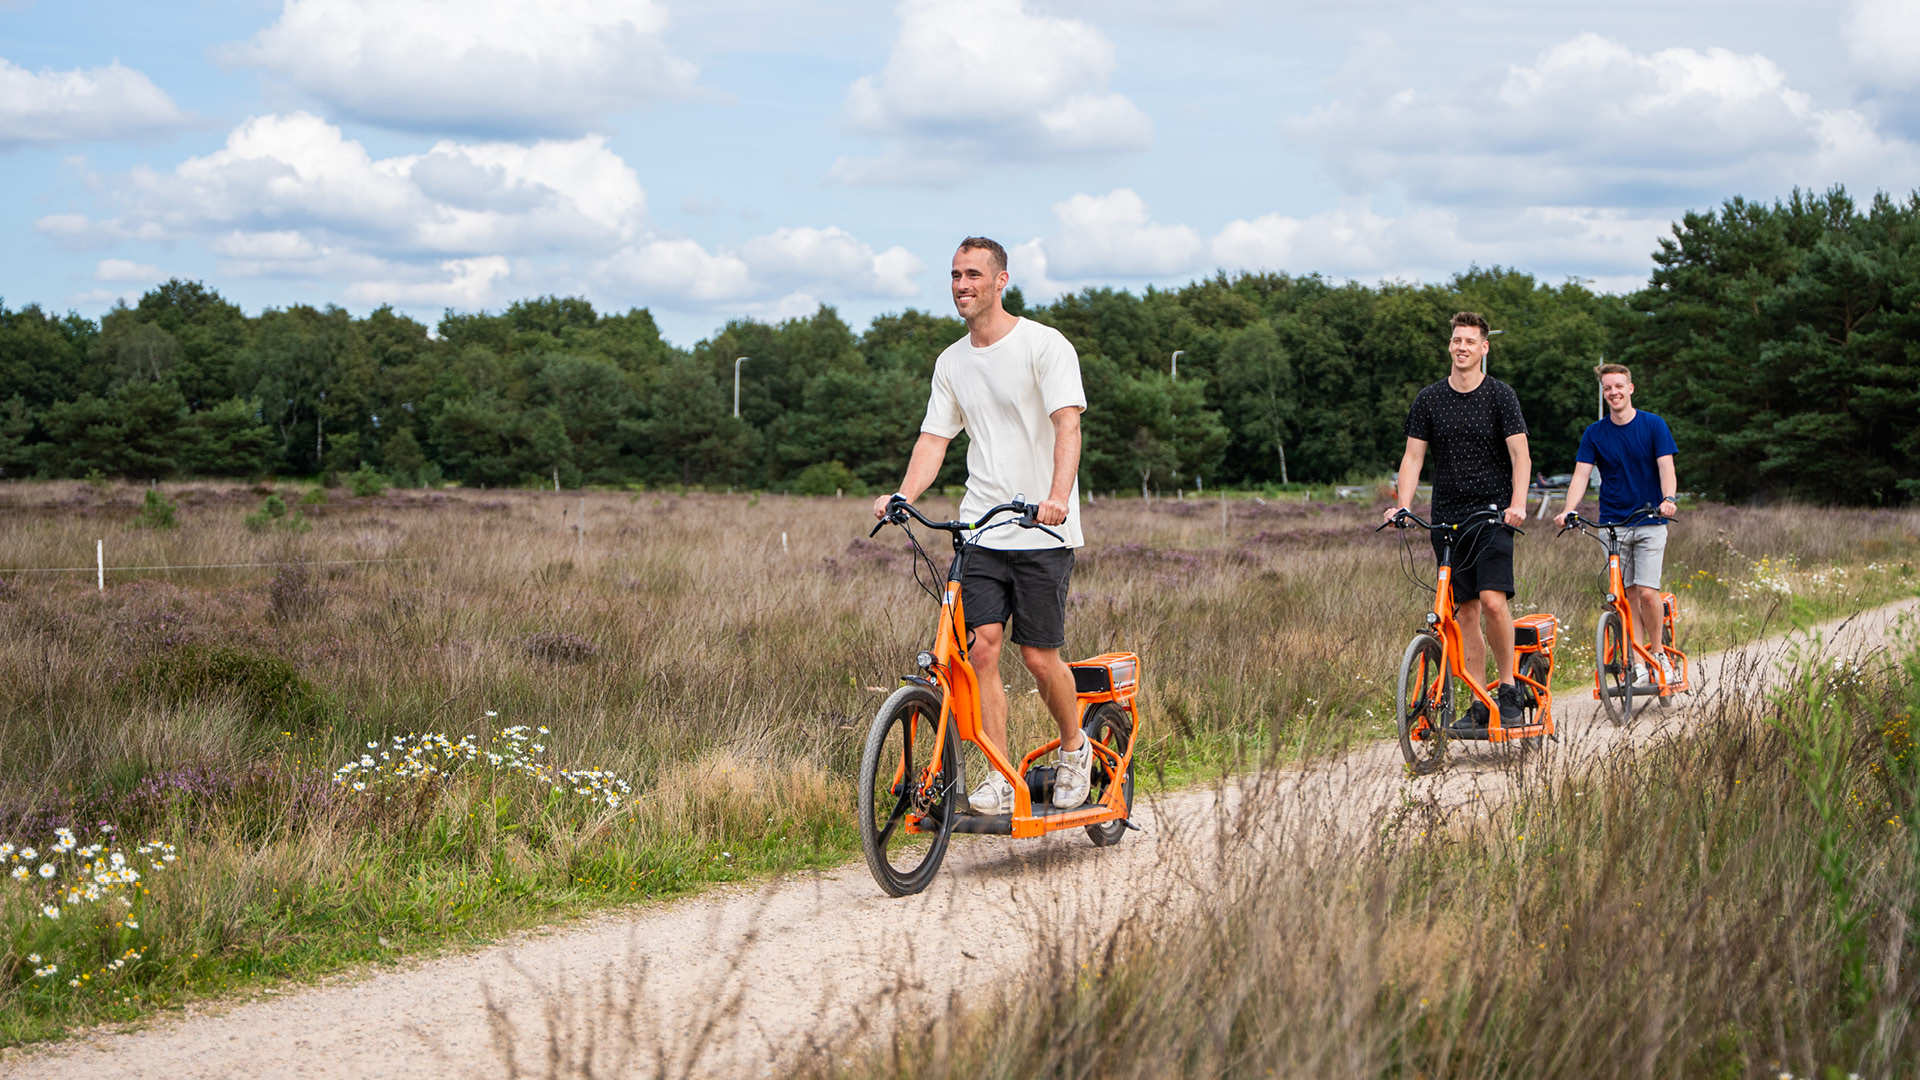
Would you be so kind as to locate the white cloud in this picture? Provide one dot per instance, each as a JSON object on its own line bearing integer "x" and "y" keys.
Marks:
{"x": 1592, "y": 123}
{"x": 126, "y": 270}
{"x": 459, "y": 283}
{"x": 1883, "y": 39}
{"x": 94, "y": 299}
{"x": 794, "y": 261}
{"x": 832, "y": 254}
{"x": 1102, "y": 237}
{"x": 297, "y": 178}
{"x": 1431, "y": 243}
{"x": 112, "y": 102}
{"x": 515, "y": 67}
{"x": 967, "y": 86}
{"x": 1112, "y": 237}
{"x": 681, "y": 269}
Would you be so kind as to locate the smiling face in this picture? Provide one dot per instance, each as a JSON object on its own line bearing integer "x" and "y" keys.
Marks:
{"x": 1617, "y": 391}
{"x": 1467, "y": 348}
{"x": 977, "y": 283}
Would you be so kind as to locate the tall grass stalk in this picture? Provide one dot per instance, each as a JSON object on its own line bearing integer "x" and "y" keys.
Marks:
{"x": 722, "y": 654}
{"x": 1663, "y": 913}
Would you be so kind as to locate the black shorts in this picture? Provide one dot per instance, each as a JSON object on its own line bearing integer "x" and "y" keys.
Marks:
{"x": 1030, "y": 587}
{"x": 1484, "y": 563}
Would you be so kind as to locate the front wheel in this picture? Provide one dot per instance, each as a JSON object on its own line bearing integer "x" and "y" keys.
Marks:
{"x": 1613, "y": 667}
{"x": 1425, "y": 699}
{"x": 899, "y": 779}
{"x": 1111, "y": 725}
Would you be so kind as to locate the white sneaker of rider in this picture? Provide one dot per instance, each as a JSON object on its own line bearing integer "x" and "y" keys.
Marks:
{"x": 1073, "y": 775}
{"x": 993, "y": 796}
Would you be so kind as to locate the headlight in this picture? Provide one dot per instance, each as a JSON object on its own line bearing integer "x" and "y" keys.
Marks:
{"x": 924, "y": 659}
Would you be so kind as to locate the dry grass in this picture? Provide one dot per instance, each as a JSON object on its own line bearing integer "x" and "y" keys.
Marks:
{"x": 1700, "y": 909}
{"x": 722, "y": 653}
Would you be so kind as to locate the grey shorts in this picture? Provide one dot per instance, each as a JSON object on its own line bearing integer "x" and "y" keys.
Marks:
{"x": 1643, "y": 549}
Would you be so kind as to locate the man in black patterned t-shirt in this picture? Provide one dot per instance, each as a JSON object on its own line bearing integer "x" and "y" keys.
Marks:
{"x": 1471, "y": 422}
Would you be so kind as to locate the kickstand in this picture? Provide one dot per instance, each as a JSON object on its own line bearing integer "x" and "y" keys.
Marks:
{"x": 1132, "y": 826}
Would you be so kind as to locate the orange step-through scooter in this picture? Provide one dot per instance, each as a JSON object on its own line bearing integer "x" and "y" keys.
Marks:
{"x": 912, "y": 796}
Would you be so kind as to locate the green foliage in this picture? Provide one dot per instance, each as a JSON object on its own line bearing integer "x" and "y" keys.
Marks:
{"x": 1780, "y": 343}
{"x": 828, "y": 478}
{"x": 273, "y": 514}
{"x": 272, "y": 690}
{"x": 315, "y": 496}
{"x": 156, "y": 512}
{"x": 366, "y": 482}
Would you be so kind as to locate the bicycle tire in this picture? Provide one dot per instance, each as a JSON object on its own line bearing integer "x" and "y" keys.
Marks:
{"x": 1425, "y": 698}
{"x": 899, "y": 747}
{"x": 1613, "y": 668}
{"x": 1110, "y": 724}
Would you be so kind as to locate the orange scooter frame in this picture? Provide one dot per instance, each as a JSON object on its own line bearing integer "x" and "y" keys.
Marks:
{"x": 911, "y": 787}
{"x": 960, "y": 694}
{"x": 1613, "y": 656}
{"x": 1437, "y": 656}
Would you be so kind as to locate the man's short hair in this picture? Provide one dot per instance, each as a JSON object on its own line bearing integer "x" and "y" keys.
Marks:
{"x": 1472, "y": 318}
{"x": 991, "y": 247}
{"x": 1612, "y": 369}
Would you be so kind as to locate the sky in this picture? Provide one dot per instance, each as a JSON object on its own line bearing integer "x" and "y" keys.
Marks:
{"x": 723, "y": 159}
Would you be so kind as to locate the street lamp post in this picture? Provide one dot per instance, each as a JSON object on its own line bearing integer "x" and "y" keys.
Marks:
{"x": 1173, "y": 372}
{"x": 736, "y": 384}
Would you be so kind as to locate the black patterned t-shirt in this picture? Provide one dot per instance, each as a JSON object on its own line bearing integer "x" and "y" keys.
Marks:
{"x": 1466, "y": 437}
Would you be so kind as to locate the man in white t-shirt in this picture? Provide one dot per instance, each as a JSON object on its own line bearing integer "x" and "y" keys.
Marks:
{"x": 1014, "y": 386}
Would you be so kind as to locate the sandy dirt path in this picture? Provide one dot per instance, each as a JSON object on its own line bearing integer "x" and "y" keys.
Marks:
{"x": 736, "y": 981}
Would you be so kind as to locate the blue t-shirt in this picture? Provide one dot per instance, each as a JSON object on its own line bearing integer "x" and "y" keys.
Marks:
{"x": 1627, "y": 457}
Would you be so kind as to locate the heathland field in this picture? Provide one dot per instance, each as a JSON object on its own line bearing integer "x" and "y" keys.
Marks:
{"x": 408, "y": 721}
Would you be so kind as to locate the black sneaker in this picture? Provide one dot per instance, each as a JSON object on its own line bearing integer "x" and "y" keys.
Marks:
{"x": 1475, "y": 718}
{"x": 1511, "y": 706}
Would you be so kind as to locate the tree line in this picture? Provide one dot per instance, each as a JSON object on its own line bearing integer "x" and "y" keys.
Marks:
{"x": 1782, "y": 342}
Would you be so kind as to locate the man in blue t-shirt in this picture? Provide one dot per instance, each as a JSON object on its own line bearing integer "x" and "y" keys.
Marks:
{"x": 1634, "y": 453}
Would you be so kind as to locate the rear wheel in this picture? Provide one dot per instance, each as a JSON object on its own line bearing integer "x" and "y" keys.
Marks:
{"x": 1613, "y": 666}
{"x": 1425, "y": 702}
{"x": 898, "y": 779}
{"x": 1111, "y": 725}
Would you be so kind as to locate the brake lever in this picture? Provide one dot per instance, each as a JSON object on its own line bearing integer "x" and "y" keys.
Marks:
{"x": 877, "y": 526}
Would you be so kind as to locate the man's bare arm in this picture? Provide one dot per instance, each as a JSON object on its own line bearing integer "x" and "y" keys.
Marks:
{"x": 1576, "y": 490}
{"x": 1669, "y": 484}
{"x": 1407, "y": 484}
{"x": 1066, "y": 464}
{"x": 922, "y": 469}
{"x": 1522, "y": 475}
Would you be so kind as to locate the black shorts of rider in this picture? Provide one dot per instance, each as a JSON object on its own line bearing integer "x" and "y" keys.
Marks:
{"x": 1028, "y": 587}
{"x": 1482, "y": 563}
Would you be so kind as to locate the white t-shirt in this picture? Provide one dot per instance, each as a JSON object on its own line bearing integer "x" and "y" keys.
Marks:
{"x": 1004, "y": 397}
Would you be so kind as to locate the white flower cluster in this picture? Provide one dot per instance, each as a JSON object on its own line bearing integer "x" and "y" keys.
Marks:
{"x": 416, "y": 758}
{"x": 95, "y": 874}
{"x": 109, "y": 968}
{"x": 87, "y": 875}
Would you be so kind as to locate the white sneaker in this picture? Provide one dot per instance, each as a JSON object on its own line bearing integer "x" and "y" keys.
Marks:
{"x": 993, "y": 796}
{"x": 1073, "y": 775}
